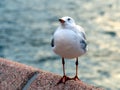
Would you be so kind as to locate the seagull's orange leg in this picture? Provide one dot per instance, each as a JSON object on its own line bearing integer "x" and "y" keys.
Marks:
{"x": 64, "y": 78}
{"x": 76, "y": 76}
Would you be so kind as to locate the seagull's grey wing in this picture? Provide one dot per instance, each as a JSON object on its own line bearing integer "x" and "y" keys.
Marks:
{"x": 83, "y": 40}
{"x": 52, "y": 42}
{"x": 82, "y": 37}
{"x": 83, "y": 44}
{"x": 83, "y": 34}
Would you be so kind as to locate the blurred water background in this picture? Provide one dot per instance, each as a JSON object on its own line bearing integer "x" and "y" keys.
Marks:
{"x": 27, "y": 26}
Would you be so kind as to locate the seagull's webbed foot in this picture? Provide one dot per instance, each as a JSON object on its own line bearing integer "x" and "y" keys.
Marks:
{"x": 64, "y": 79}
{"x": 76, "y": 78}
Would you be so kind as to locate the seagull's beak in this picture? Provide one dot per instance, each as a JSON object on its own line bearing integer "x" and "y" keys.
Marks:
{"x": 61, "y": 20}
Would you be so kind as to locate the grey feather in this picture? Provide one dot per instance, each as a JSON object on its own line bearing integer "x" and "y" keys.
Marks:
{"x": 83, "y": 44}
{"x": 83, "y": 34}
{"x": 52, "y": 42}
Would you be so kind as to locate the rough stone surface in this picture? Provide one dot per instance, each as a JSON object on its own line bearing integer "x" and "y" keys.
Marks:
{"x": 15, "y": 76}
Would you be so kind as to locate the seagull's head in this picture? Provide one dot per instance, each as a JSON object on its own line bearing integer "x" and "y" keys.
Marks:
{"x": 67, "y": 22}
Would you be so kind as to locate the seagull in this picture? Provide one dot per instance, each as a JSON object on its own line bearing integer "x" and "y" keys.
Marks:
{"x": 69, "y": 42}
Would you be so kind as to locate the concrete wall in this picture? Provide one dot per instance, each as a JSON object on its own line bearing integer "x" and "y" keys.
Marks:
{"x": 16, "y": 76}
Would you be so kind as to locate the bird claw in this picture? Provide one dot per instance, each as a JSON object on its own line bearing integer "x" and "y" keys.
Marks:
{"x": 76, "y": 78}
{"x": 64, "y": 79}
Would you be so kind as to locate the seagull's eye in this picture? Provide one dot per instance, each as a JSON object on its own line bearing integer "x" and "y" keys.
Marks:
{"x": 68, "y": 19}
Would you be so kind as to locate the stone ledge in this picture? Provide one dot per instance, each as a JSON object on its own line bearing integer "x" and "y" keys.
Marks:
{"x": 16, "y": 76}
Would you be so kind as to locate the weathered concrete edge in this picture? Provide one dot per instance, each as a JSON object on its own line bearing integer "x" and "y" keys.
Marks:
{"x": 36, "y": 79}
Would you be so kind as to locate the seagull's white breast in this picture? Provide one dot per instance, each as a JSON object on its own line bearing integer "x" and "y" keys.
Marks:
{"x": 67, "y": 44}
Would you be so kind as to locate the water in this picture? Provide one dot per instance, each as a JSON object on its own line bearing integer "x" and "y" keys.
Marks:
{"x": 26, "y": 28}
